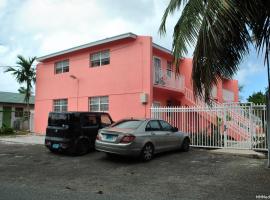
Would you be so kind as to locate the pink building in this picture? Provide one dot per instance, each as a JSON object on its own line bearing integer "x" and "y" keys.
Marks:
{"x": 124, "y": 75}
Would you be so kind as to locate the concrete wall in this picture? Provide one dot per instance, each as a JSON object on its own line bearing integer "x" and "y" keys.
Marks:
{"x": 23, "y": 124}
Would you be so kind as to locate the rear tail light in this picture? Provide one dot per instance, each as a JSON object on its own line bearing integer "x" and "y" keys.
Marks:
{"x": 127, "y": 139}
{"x": 98, "y": 137}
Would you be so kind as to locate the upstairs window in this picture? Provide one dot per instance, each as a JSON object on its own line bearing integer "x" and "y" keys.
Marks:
{"x": 60, "y": 105}
{"x": 169, "y": 69}
{"x": 99, "y": 103}
{"x": 61, "y": 67}
{"x": 100, "y": 58}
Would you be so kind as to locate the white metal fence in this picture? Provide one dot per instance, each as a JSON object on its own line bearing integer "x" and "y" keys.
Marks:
{"x": 239, "y": 126}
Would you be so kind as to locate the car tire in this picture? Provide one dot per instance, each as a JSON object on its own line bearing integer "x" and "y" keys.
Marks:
{"x": 185, "y": 145}
{"x": 147, "y": 152}
{"x": 82, "y": 147}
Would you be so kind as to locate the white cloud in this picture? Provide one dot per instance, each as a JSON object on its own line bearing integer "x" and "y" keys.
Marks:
{"x": 247, "y": 72}
{"x": 38, "y": 27}
{"x": 3, "y": 49}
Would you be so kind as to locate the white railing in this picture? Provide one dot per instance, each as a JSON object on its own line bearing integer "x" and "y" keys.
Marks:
{"x": 228, "y": 96}
{"x": 175, "y": 81}
{"x": 241, "y": 124}
{"x": 217, "y": 126}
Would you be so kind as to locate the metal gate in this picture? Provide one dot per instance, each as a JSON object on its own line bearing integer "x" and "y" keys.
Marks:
{"x": 235, "y": 125}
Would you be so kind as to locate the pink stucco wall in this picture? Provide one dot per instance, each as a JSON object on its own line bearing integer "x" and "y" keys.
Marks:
{"x": 185, "y": 69}
{"x": 129, "y": 74}
{"x": 123, "y": 80}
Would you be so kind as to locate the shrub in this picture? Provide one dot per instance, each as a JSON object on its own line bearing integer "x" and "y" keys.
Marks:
{"x": 6, "y": 130}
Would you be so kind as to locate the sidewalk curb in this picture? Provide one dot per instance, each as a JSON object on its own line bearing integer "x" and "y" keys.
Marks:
{"x": 242, "y": 153}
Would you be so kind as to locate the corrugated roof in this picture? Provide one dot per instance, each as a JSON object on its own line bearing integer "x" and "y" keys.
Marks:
{"x": 10, "y": 97}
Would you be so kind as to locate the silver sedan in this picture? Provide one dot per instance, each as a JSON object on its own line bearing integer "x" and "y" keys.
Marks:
{"x": 141, "y": 137}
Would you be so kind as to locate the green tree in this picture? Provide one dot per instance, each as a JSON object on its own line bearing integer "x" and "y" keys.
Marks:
{"x": 24, "y": 73}
{"x": 257, "y": 98}
{"x": 223, "y": 32}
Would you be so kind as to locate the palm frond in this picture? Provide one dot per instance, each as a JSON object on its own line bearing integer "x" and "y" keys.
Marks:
{"x": 221, "y": 45}
{"x": 222, "y": 32}
{"x": 171, "y": 8}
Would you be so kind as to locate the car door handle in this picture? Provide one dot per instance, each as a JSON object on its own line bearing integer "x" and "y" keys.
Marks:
{"x": 153, "y": 133}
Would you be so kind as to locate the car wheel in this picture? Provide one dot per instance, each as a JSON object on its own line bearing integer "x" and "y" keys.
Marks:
{"x": 185, "y": 145}
{"x": 81, "y": 148}
{"x": 147, "y": 152}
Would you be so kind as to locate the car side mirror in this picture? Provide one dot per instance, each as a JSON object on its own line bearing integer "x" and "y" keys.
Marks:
{"x": 174, "y": 129}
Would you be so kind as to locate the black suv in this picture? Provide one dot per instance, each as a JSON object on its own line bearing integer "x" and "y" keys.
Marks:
{"x": 74, "y": 132}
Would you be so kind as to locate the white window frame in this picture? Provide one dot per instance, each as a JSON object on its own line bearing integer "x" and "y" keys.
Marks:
{"x": 62, "y": 66}
{"x": 61, "y": 104}
{"x": 100, "y": 58}
{"x": 169, "y": 69}
{"x": 157, "y": 74}
{"x": 99, "y": 103}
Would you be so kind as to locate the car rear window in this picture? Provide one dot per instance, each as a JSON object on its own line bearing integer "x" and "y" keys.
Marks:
{"x": 58, "y": 119}
{"x": 130, "y": 124}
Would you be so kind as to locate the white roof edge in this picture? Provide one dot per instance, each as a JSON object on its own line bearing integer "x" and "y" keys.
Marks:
{"x": 162, "y": 48}
{"x": 91, "y": 44}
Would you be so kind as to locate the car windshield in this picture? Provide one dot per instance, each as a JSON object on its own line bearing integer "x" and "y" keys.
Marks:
{"x": 58, "y": 119}
{"x": 130, "y": 124}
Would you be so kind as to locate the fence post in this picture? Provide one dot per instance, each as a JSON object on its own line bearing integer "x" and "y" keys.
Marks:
{"x": 225, "y": 127}
{"x": 251, "y": 131}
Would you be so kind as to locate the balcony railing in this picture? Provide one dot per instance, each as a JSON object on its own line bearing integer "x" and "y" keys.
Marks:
{"x": 228, "y": 96}
{"x": 175, "y": 81}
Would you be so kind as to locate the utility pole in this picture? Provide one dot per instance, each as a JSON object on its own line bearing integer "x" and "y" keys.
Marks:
{"x": 268, "y": 114}
{"x": 268, "y": 125}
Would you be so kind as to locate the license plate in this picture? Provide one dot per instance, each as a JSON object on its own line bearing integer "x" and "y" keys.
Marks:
{"x": 110, "y": 137}
{"x": 55, "y": 146}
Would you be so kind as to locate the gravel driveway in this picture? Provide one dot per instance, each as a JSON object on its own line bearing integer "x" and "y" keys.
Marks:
{"x": 31, "y": 172}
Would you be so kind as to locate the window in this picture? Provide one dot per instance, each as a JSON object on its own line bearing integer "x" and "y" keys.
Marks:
{"x": 58, "y": 119}
{"x": 169, "y": 69}
{"x": 158, "y": 73}
{"x": 60, "y": 105}
{"x": 61, "y": 66}
{"x": 18, "y": 112}
{"x": 99, "y": 103}
{"x": 153, "y": 125}
{"x": 105, "y": 120}
{"x": 89, "y": 120}
{"x": 166, "y": 126}
{"x": 100, "y": 58}
{"x": 129, "y": 124}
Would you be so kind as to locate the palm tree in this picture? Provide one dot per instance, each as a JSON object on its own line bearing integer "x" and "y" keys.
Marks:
{"x": 222, "y": 32}
{"x": 24, "y": 73}
{"x": 22, "y": 90}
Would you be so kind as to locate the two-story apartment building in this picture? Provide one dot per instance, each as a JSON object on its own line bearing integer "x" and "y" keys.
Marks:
{"x": 123, "y": 75}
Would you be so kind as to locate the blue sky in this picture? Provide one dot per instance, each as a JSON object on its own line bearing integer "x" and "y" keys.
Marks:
{"x": 39, "y": 27}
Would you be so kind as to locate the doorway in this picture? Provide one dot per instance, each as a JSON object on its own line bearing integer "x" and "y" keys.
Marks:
{"x": 7, "y": 116}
